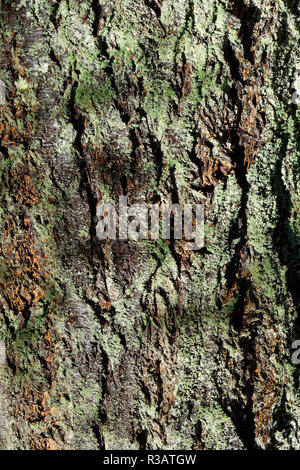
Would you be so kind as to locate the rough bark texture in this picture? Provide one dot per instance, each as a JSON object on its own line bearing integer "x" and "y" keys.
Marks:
{"x": 144, "y": 345}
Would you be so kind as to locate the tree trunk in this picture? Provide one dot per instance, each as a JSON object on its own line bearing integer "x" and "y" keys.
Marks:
{"x": 124, "y": 344}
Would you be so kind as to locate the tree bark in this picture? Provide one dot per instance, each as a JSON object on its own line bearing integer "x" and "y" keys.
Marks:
{"x": 143, "y": 344}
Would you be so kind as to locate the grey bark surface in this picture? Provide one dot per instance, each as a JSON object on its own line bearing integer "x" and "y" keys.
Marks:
{"x": 143, "y": 344}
